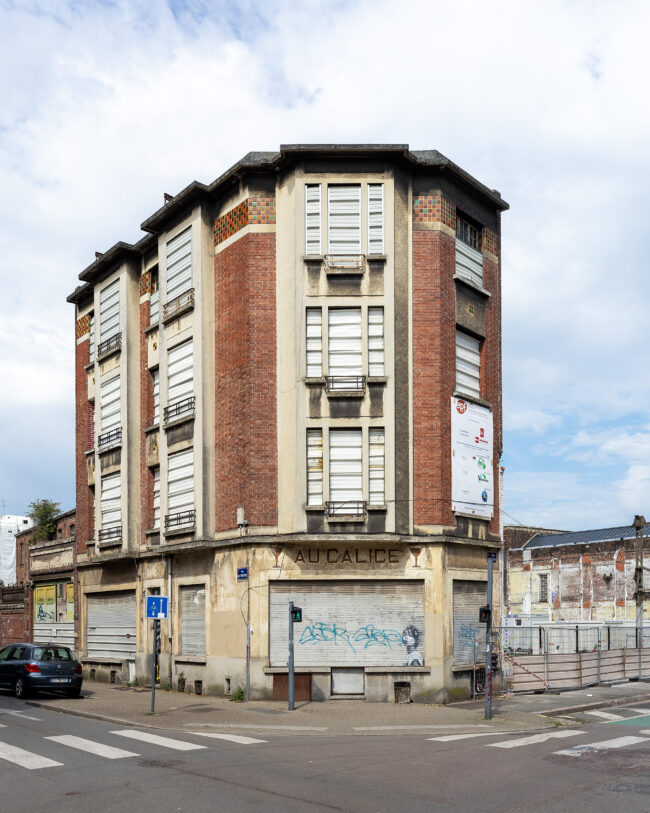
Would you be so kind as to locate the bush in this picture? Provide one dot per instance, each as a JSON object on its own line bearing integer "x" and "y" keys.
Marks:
{"x": 238, "y": 695}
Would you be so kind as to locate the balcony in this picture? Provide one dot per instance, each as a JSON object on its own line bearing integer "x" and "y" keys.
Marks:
{"x": 179, "y": 305}
{"x": 109, "y": 439}
{"x": 345, "y": 263}
{"x": 109, "y": 346}
{"x": 181, "y": 409}
{"x": 346, "y": 385}
{"x": 347, "y": 509}
{"x": 181, "y": 521}
{"x": 110, "y": 536}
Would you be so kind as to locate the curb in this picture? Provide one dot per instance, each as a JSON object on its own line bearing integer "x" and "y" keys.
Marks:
{"x": 90, "y": 715}
{"x": 601, "y": 704}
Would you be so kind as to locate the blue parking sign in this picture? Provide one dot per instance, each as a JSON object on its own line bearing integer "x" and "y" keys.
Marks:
{"x": 156, "y": 606}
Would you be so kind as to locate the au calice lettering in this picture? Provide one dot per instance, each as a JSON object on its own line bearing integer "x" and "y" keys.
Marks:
{"x": 352, "y": 556}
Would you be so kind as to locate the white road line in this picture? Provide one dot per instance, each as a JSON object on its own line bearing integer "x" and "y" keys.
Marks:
{"x": 640, "y": 712}
{"x": 606, "y": 715}
{"x": 229, "y": 737}
{"x": 453, "y": 737}
{"x": 533, "y": 739}
{"x": 91, "y": 747}
{"x": 619, "y": 742}
{"x": 20, "y": 714}
{"x": 155, "y": 739}
{"x": 26, "y": 759}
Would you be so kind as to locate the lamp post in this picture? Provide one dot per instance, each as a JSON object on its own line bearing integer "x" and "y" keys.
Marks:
{"x": 639, "y": 524}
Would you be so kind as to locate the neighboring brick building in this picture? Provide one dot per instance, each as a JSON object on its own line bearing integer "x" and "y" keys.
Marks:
{"x": 572, "y": 576}
{"x": 296, "y": 371}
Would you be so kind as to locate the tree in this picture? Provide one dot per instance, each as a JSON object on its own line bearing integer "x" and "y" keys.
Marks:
{"x": 44, "y": 513}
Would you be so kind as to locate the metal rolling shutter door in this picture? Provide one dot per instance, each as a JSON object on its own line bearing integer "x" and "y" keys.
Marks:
{"x": 109, "y": 311}
{"x": 179, "y": 264}
{"x": 180, "y": 372}
{"x": 111, "y": 625}
{"x": 468, "y": 597}
{"x": 355, "y": 623}
{"x": 193, "y": 620}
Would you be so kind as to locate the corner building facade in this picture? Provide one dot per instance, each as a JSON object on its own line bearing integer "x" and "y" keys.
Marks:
{"x": 290, "y": 390}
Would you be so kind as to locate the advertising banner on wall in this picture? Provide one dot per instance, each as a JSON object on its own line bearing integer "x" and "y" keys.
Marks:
{"x": 472, "y": 481}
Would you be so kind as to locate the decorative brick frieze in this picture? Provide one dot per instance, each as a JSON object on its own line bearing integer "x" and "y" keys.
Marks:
{"x": 490, "y": 242}
{"x": 252, "y": 211}
{"x": 145, "y": 283}
{"x": 434, "y": 209}
{"x": 82, "y": 326}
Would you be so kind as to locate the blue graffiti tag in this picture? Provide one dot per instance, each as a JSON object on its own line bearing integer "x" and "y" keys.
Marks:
{"x": 367, "y": 636}
{"x": 467, "y": 635}
{"x": 374, "y": 636}
{"x": 318, "y": 632}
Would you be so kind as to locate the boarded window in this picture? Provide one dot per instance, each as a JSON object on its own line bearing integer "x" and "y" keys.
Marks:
{"x": 344, "y": 342}
{"x": 469, "y": 263}
{"x": 376, "y": 342}
{"x": 344, "y": 219}
{"x": 109, "y": 311}
{"x": 314, "y": 467}
{"x": 313, "y": 219}
{"x": 179, "y": 264}
{"x": 192, "y": 599}
{"x": 468, "y": 364}
{"x": 376, "y": 465}
{"x": 375, "y": 218}
{"x": 543, "y": 588}
{"x": 314, "y": 343}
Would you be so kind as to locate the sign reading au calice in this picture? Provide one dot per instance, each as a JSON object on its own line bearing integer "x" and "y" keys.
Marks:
{"x": 472, "y": 486}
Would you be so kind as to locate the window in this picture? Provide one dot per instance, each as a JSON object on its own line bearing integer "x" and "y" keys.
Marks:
{"x": 346, "y": 470}
{"x": 376, "y": 490}
{"x": 467, "y": 233}
{"x": 154, "y": 301}
{"x": 375, "y": 218}
{"x": 469, "y": 260}
{"x": 110, "y": 502}
{"x": 543, "y": 588}
{"x": 180, "y": 489}
{"x": 180, "y": 372}
{"x": 109, "y": 312}
{"x": 192, "y": 601}
{"x": 156, "y": 498}
{"x": 179, "y": 265}
{"x": 109, "y": 399}
{"x": 344, "y": 342}
{"x": 155, "y": 388}
{"x": 468, "y": 364}
{"x": 376, "y": 342}
{"x": 314, "y": 343}
{"x": 344, "y": 219}
{"x": 22, "y": 553}
{"x": 314, "y": 467}
{"x": 91, "y": 425}
{"x": 313, "y": 219}
{"x": 91, "y": 350}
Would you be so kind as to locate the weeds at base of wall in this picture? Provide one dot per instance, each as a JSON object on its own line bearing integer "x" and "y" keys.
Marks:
{"x": 238, "y": 695}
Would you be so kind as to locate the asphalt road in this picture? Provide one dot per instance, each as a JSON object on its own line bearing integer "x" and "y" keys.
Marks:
{"x": 59, "y": 762}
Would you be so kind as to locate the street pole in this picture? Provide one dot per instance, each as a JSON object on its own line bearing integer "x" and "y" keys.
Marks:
{"x": 291, "y": 705}
{"x": 639, "y": 524}
{"x": 248, "y": 661}
{"x": 156, "y": 632}
{"x": 488, "y": 640}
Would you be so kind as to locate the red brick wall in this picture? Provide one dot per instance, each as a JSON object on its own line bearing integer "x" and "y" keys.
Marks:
{"x": 246, "y": 467}
{"x": 434, "y": 375}
{"x": 146, "y": 412}
{"x": 491, "y": 383}
{"x": 14, "y": 618}
{"x": 85, "y": 520}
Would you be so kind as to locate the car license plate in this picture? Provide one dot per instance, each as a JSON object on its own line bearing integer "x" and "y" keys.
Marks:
{"x": 59, "y": 680}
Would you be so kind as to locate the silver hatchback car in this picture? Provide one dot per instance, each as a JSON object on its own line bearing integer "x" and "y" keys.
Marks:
{"x": 27, "y": 668}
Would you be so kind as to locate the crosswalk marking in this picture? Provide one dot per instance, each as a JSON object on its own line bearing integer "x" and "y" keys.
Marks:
{"x": 619, "y": 742}
{"x": 156, "y": 739}
{"x": 26, "y": 759}
{"x": 452, "y": 737}
{"x": 20, "y": 714}
{"x": 91, "y": 747}
{"x": 230, "y": 737}
{"x": 533, "y": 739}
{"x": 606, "y": 715}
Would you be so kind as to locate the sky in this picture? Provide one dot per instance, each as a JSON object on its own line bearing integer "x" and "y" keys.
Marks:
{"x": 104, "y": 106}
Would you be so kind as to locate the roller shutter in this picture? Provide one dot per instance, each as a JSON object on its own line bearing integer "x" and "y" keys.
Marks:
{"x": 344, "y": 342}
{"x": 349, "y": 623}
{"x": 468, "y": 364}
{"x": 314, "y": 467}
{"x": 344, "y": 219}
{"x": 346, "y": 468}
{"x": 155, "y": 383}
{"x": 468, "y": 597}
{"x": 376, "y": 342}
{"x": 192, "y": 619}
{"x": 314, "y": 343}
{"x": 109, "y": 400}
{"x": 156, "y": 498}
{"x": 91, "y": 349}
{"x": 313, "y": 219}
{"x": 180, "y": 482}
{"x": 376, "y": 466}
{"x": 109, "y": 311}
{"x": 179, "y": 264}
{"x": 111, "y": 499}
{"x": 111, "y": 625}
{"x": 469, "y": 263}
{"x": 375, "y": 218}
{"x": 180, "y": 371}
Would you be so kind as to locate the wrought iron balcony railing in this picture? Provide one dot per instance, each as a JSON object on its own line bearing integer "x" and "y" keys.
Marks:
{"x": 181, "y": 519}
{"x": 110, "y": 535}
{"x": 110, "y": 344}
{"x": 346, "y": 508}
{"x": 180, "y": 409}
{"x": 111, "y": 438}
{"x": 346, "y": 384}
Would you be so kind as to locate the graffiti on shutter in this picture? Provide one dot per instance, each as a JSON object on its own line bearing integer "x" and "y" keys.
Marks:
{"x": 469, "y": 635}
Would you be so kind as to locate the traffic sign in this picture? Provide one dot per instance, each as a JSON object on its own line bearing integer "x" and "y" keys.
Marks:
{"x": 242, "y": 574}
{"x": 156, "y": 606}
{"x": 492, "y": 555}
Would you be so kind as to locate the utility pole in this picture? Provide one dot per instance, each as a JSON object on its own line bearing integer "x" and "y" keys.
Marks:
{"x": 290, "y": 676}
{"x": 639, "y": 524}
{"x": 491, "y": 557}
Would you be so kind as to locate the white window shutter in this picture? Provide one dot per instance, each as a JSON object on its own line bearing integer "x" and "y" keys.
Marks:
{"x": 110, "y": 502}
{"x": 180, "y": 482}
{"x": 375, "y": 218}
{"x": 376, "y": 342}
{"x": 109, "y": 404}
{"x": 156, "y": 498}
{"x": 313, "y": 219}
{"x": 109, "y": 311}
{"x": 192, "y": 619}
{"x": 314, "y": 467}
{"x": 346, "y": 468}
{"x": 314, "y": 343}
{"x": 180, "y": 372}
{"x": 91, "y": 351}
{"x": 155, "y": 378}
{"x": 344, "y": 342}
{"x": 376, "y": 466}
{"x": 179, "y": 265}
{"x": 344, "y": 219}
{"x": 468, "y": 364}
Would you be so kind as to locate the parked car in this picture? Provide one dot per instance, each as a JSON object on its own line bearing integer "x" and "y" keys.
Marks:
{"x": 27, "y": 668}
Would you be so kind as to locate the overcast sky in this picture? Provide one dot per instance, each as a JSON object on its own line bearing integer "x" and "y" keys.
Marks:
{"x": 106, "y": 105}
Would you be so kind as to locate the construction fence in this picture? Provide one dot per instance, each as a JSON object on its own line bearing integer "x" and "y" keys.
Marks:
{"x": 570, "y": 656}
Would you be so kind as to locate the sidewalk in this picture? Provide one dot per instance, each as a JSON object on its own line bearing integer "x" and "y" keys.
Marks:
{"x": 130, "y": 706}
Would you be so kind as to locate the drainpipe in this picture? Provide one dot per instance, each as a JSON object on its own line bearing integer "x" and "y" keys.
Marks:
{"x": 169, "y": 622}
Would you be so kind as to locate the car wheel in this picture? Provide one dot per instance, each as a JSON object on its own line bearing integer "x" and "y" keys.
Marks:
{"x": 21, "y": 689}
{"x": 74, "y": 692}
